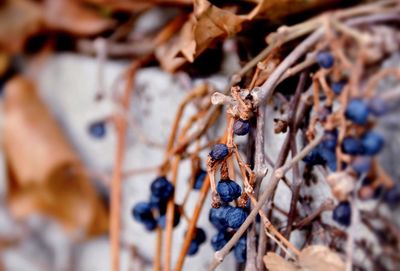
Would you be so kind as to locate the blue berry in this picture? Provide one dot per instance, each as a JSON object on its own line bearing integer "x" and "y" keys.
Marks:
{"x": 219, "y": 240}
{"x": 228, "y": 190}
{"x": 357, "y": 111}
{"x": 150, "y": 225}
{"x": 161, "y": 188}
{"x": 193, "y": 248}
{"x": 337, "y": 87}
{"x": 159, "y": 204}
{"x": 217, "y": 217}
{"x": 377, "y": 106}
{"x": 329, "y": 157}
{"x": 241, "y": 127}
{"x": 177, "y": 218}
{"x": 235, "y": 217}
{"x": 97, "y": 129}
{"x": 351, "y": 145}
{"x": 240, "y": 250}
{"x": 200, "y": 177}
{"x": 372, "y": 143}
{"x": 314, "y": 157}
{"x": 200, "y": 236}
{"x": 325, "y": 59}
{"x": 392, "y": 196}
{"x": 142, "y": 212}
{"x": 342, "y": 213}
{"x": 329, "y": 140}
{"x": 361, "y": 164}
{"x": 219, "y": 152}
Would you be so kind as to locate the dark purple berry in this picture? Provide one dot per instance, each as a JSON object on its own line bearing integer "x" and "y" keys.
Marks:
{"x": 240, "y": 250}
{"x": 217, "y": 217}
{"x": 200, "y": 236}
{"x": 329, "y": 157}
{"x": 241, "y": 127}
{"x": 150, "y": 225}
{"x": 329, "y": 140}
{"x": 235, "y": 217}
{"x": 357, "y": 111}
{"x": 342, "y": 213}
{"x": 377, "y": 106}
{"x": 228, "y": 190}
{"x": 314, "y": 157}
{"x": 392, "y": 196}
{"x": 161, "y": 188}
{"x": 219, "y": 240}
{"x": 361, "y": 164}
{"x": 193, "y": 248}
{"x": 97, "y": 129}
{"x": 159, "y": 204}
{"x": 200, "y": 177}
{"x": 372, "y": 143}
{"x": 337, "y": 87}
{"x": 351, "y": 145}
{"x": 325, "y": 59}
{"x": 219, "y": 152}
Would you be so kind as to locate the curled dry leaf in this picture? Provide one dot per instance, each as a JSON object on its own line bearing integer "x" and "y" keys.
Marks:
{"x": 72, "y": 16}
{"x": 206, "y": 25}
{"x": 312, "y": 258}
{"x": 19, "y": 19}
{"x": 45, "y": 173}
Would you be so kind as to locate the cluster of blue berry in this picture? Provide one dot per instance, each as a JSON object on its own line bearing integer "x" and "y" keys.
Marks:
{"x": 359, "y": 146}
{"x": 153, "y": 213}
{"x": 226, "y": 218}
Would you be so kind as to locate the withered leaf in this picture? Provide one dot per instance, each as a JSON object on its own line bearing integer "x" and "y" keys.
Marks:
{"x": 274, "y": 262}
{"x": 206, "y": 25}
{"x": 19, "y": 19}
{"x": 74, "y": 17}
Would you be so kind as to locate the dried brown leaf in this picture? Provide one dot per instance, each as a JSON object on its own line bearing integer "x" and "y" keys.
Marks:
{"x": 206, "y": 25}
{"x": 74, "y": 17}
{"x": 19, "y": 19}
{"x": 45, "y": 173}
{"x": 317, "y": 258}
{"x": 274, "y": 262}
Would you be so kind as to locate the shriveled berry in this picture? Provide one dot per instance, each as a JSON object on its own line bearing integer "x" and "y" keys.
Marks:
{"x": 219, "y": 240}
{"x": 193, "y": 248}
{"x": 161, "y": 188}
{"x": 325, "y": 59}
{"x": 377, "y": 106}
{"x": 217, "y": 217}
{"x": 142, "y": 212}
{"x": 177, "y": 218}
{"x": 361, "y": 164}
{"x": 342, "y": 213}
{"x": 357, "y": 111}
{"x": 240, "y": 250}
{"x": 199, "y": 180}
{"x": 241, "y": 127}
{"x": 329, "y": 157}
{"x": 337, "y": 87}
{"x": 97, "y": 129}
{"x": 351, "y": 145}
{"x": 372, "y": 143}
{"x": 219, "y": 152}
{"x": 150, "y": 225}
{"x": 235, "y": 217}
{"x": 228, "y": 190}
